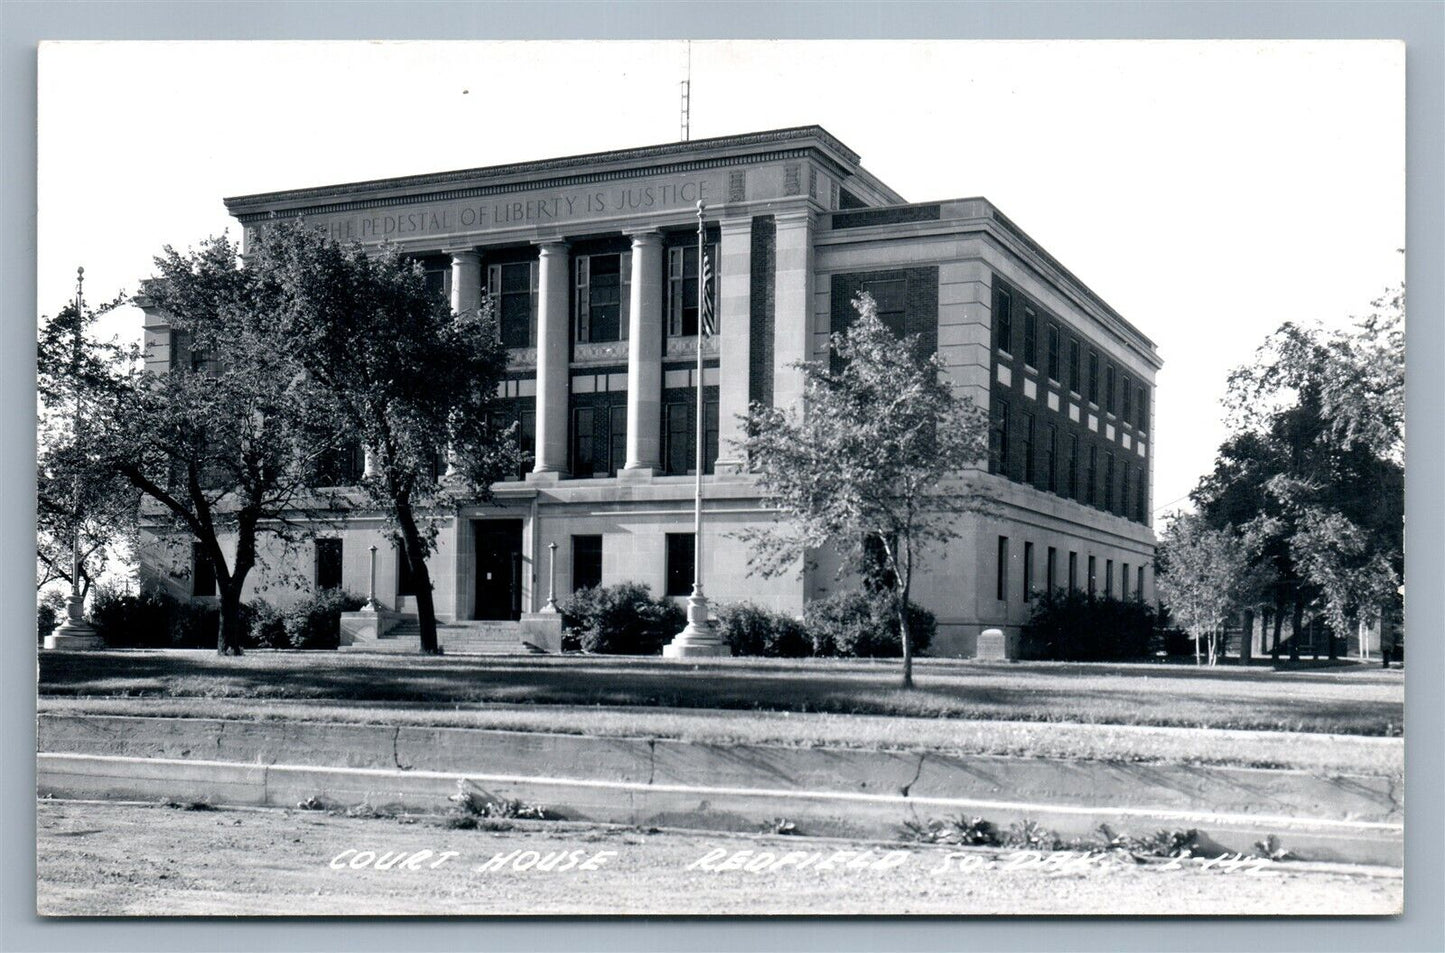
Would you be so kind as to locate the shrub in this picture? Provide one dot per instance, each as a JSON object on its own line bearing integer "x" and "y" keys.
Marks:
{"x": 126, "y": 620}
{"x": 316, "y": 622}
{"x": 48, "y": 613}
{"x": 754, "y": 630}
{"x": 193, "y": 625}
{"x": 624, "y": 619}
{"x": 861, "y": 624}
{"x": 266, "y": 626}
{"x": 1079, "y": 627}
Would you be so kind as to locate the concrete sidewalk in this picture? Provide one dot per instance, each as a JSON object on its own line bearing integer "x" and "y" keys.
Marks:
{"x": 1354, "y": 818}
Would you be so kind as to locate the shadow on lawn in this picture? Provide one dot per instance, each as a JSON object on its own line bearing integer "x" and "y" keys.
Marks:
{"x": 1025, "y": 692}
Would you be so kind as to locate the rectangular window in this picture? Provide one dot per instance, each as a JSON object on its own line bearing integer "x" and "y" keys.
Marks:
{"x": 586, "y": 562}
{"x": 405, "y": 578}
{"x": 1074, "y": 366}
{"x": 1126, "y": 395}
{"x": 203, "y": 574}
{"x": 1108, "y": 388}
{"x": 1143, "y": 409}
{"x": 328, "y": 564}
{"x": 709, "y": 435}
{"x": 1108, "y": 578}
{"x": 1054, "y": 352}
{"x": 1003, "y": 324}
{"x": 1094, "y": 377}
{"x": 1031, "y": 334}
{"x": 1124, "y": 582}
{"x": 680, "y": 554}
{"x": 1142, "y": 516}
{"x": 1028, "y": 570}
{"x": 682, "y": 289}
{"x": 1073, "y": 572}
{"x": 1051, "y": 580}
{"x": 677, "y": 455}
{"x": 1002, "y": 582}
{"x": 438, "y": 279}
{"x": 1091, "y": 575}
{"x": 1125, "y": 497}
{"x": 616, "y": 438}
{"x": 1139, "y": 584}
{"x": 512, "y": 288}
{"x": 1051, "y": 464}
{"x": 998, "y": 457}
{"x": 527, "y": 442}
{"x": 679, "y": 452}
{"x": 583, "y": 422}
{"x": 1028, "y": 448}
{"x": 600, "y": 303}
{"x": 1073, "y": 472}
{"x": 1109, "y": 480}
{"x": 1092, "y": 477}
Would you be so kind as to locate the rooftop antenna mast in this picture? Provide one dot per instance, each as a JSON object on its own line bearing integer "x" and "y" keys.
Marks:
{"x": 687, "y": 97}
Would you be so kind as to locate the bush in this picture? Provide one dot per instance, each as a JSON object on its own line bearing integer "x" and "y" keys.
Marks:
{"x": 753, "y": 630}
{"x": 862, "y": 624}
{"x": 265, "y": 626}
{"x": 194, "y": 625}
{"x": 1079, "y": 627}
{"x": 126, "y": 620}
{"x": 313, "y": 623}
{"x": 316, "y": 623}
{"x": 624, "y": 619}
{"x": 48, "y": 613}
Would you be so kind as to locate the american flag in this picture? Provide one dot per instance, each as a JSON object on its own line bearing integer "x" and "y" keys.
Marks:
{"x": 708, "y": 326}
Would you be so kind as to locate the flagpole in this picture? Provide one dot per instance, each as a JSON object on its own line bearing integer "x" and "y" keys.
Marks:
{"x": 700, "y": 637}
{"x": 701, "y": 435}
{"x": 74, "y": 632}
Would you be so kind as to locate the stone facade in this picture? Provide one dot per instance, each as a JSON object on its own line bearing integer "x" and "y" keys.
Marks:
{"x": 588, "y": 260}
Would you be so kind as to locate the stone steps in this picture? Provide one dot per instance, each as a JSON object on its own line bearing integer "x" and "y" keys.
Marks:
{"x": 457, "y": 638}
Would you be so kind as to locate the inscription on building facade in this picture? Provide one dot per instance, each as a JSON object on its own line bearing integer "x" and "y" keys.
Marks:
{"x": 519, "y": 211}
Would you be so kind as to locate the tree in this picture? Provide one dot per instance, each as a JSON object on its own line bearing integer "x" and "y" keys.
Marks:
{"x": 1204, "y": 576}
{"x": 221, "y": 446}
{"x": 396, "y": 369}
{"x": 872, "y": 466}
{"x": 74, "y": 495}
{"x": 1313, "y": 472}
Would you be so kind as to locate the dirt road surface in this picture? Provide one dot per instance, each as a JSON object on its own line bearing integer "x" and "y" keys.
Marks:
{"x": 153, "y": 860}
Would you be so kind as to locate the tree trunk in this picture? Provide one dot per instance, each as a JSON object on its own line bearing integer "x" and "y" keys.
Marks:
{"x": 1278, "y": 620}
{"x": 230, "y": 628}
{"x": 1296, "y": 628}
{"x": 1246, "y": 644}
{"x": 426, "y": 615}
{"x": 906, "y": 636}
{"x": 1332, "y": 646}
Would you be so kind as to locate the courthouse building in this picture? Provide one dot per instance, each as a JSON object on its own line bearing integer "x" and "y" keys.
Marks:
{"x": 591, "y": 264}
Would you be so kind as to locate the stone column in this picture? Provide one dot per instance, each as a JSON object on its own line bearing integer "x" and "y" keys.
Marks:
{"x": 644, "y": 356}
{"x": 734, "y": 337}
{"x": 553, "y": 329}
{"x": 466, "y": 280}
{"x": 793, "y": 337}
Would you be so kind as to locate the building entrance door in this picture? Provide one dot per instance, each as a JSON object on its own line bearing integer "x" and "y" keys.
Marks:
{"x": 499, "y": 569}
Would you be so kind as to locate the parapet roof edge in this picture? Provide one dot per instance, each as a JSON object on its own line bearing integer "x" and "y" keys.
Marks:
{"x": 670, "y": 150}
{"x": 1012, "y": 228}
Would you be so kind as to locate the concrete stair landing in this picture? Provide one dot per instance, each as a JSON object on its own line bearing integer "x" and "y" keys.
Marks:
{"x": 455, "y": 638}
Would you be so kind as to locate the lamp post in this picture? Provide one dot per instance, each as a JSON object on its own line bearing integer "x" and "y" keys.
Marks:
{"x": 700, "y": 637}
{"x": 371, "y": 591}
{"x": 75, "y": 632}
{"x": 551, "y": 605}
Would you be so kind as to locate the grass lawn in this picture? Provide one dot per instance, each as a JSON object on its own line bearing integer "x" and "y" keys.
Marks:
{"x": 1356, "y": 700}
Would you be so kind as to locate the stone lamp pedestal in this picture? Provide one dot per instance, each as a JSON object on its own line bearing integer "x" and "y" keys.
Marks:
{"x": 74, "y": 634}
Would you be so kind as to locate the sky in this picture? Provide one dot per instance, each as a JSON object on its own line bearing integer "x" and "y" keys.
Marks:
{"x": 1208, "y": 190}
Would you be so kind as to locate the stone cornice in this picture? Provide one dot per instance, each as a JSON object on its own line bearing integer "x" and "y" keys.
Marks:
{"x": 796, "y": 142}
